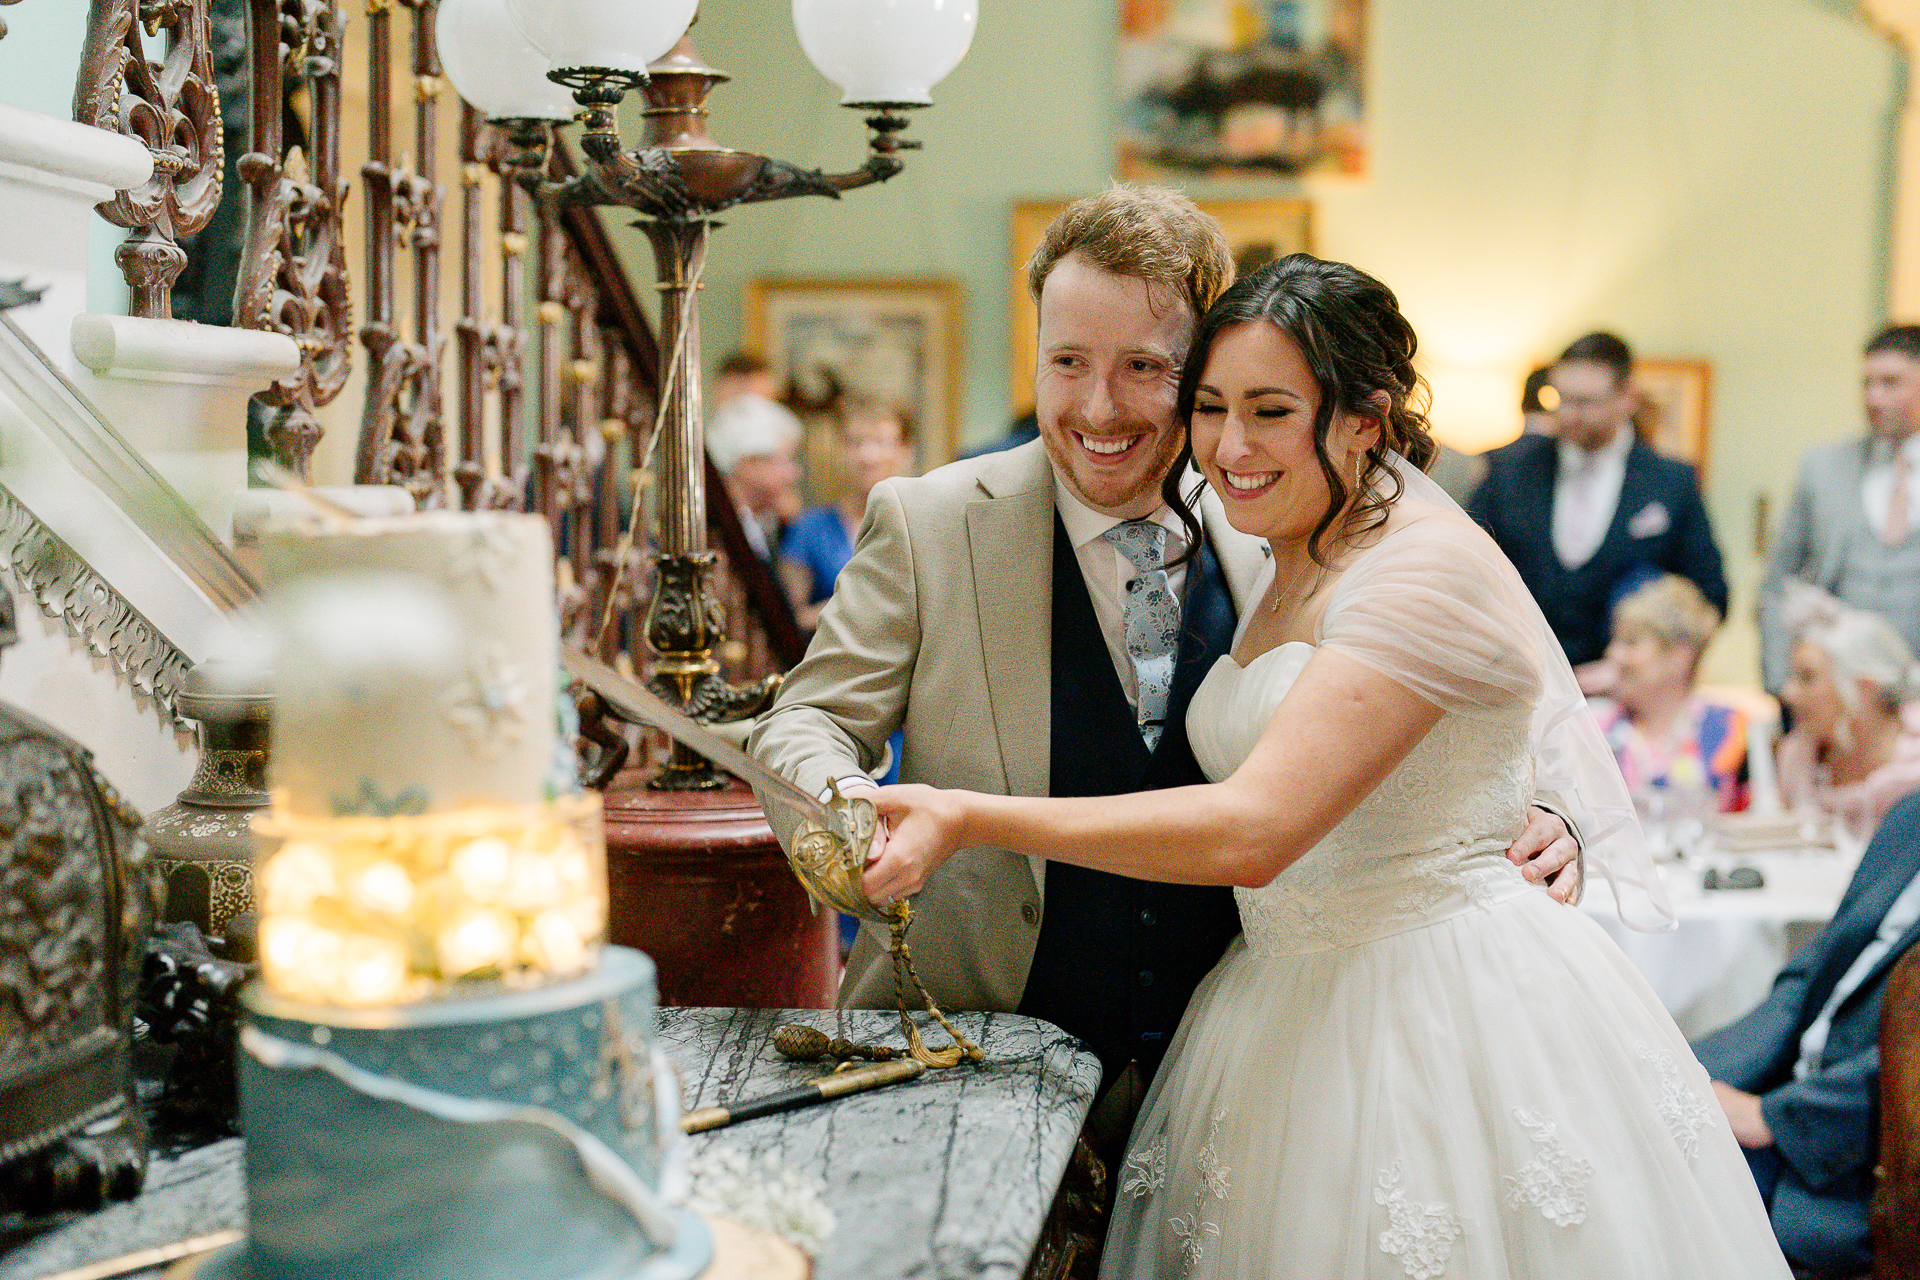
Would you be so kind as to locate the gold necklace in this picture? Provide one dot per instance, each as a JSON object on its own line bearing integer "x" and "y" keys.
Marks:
{"x": 1278, "y": 596}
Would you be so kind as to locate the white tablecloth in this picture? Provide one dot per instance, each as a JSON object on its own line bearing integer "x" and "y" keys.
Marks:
{"x": 1731, "y": 943}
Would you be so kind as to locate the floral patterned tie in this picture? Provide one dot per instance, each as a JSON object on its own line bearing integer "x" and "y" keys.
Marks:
{"x": 1152, "y": 621}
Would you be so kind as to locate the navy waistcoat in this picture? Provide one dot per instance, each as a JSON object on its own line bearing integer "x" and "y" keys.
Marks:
{"x": 1117, "y": 958}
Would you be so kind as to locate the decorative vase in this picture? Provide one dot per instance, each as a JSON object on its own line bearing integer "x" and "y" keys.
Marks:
{"x": 202, "y": 843}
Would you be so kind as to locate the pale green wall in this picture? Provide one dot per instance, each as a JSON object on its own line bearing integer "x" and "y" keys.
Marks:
{"x": 1709, "y": 178}
{"x": 39, "y": 63}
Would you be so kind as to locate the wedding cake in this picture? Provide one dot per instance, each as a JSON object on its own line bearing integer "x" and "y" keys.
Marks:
{"x": 426, "y": 830}
{"x": 445, "y": 1071}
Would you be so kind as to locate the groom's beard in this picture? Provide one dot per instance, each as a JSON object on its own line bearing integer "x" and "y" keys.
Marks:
{"x": 1110, "y": 486}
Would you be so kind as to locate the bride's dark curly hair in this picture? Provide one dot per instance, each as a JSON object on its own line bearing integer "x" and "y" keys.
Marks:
{"x": 1349, "y": 327}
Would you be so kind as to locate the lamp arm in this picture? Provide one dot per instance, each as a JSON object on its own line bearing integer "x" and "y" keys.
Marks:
{"x": 876, "y": 169}
{"x": 886, "y": 145}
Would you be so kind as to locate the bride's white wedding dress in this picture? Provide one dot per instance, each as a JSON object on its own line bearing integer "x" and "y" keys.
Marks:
{"x": 1415, "y": 1063}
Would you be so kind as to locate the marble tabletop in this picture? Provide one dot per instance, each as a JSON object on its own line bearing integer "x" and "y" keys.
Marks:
{"x": 940, "y": 1178}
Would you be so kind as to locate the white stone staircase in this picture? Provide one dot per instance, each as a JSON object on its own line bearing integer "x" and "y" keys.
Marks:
{"x": 122, "y": 455}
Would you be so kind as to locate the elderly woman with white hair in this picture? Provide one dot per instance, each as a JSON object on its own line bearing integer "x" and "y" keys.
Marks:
{"x": 1665, "y": 736}
{"x": 1854, "y": 691}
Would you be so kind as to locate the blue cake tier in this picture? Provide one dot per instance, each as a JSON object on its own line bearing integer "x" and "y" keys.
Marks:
{"x": 511, "y": 1136}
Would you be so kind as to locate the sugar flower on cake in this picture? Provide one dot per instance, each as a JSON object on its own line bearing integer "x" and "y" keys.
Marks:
{"x": 483, "y": 556}
{"x": 488, "y": 706}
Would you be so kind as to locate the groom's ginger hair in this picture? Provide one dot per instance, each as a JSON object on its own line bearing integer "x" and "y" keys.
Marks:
{"x": 1154, "y": 234}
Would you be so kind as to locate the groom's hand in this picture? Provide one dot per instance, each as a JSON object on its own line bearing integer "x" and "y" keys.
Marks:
{"x": 1547, "y": 853}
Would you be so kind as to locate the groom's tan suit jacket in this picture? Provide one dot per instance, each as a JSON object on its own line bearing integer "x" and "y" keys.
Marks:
{"x": 941, "y": 625}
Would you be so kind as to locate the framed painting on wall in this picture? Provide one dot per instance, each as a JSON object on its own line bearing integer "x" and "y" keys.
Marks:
{"x": 1241, "y": 88}
{"x": 1258, "y": 230}
{"x": 1676, "y": 400}
{"x": 888, "y": 341}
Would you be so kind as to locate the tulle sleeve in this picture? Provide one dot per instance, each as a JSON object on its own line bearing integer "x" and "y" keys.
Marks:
{"x": 1438, "y": 607}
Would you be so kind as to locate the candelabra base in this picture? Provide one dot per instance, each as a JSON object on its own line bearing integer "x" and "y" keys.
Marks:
{"x": 697, "y": 879}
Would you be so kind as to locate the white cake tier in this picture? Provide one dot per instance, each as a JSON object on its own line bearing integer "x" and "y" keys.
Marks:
{"x": 418, "y": 664}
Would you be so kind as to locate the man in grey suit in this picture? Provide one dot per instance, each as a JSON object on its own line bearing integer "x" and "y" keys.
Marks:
{"x": 1852, "y": 526}
{"x": 989, "y": 612}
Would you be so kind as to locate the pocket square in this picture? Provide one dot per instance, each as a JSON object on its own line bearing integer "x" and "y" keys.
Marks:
{"x": 1649, "y": 521}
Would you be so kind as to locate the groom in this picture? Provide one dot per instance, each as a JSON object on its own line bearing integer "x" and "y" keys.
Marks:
{"x": 1004, "y": 612}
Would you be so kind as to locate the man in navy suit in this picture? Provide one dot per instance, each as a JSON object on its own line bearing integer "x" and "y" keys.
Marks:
{"x": 1590, "y": 513}
{"x": 1799, "y": 1077}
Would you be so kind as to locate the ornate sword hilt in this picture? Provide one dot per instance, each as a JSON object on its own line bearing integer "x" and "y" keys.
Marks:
{"x": 830, "y": 860}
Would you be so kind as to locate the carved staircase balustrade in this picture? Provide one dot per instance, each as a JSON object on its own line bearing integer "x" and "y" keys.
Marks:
{"x": 293, "y": 271}
{"x": 172, "y": 106}
{"x": 400, "y": 438}
{"x": 552, "y": 393}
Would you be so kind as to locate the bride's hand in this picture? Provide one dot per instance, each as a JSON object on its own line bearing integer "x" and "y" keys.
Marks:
{"x": 925, "y": 825}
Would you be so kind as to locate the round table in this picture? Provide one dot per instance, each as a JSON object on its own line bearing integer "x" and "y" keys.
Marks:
{"x": 1731, "y": 943}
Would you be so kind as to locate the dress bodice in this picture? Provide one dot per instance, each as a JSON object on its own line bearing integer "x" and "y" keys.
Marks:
{"x": 1428, "y": 843}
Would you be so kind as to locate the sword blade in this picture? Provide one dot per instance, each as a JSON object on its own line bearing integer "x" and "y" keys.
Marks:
{"x": 637, "y": 702}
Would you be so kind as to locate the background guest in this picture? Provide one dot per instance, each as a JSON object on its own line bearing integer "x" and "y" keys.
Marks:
{"x": 754, "y": 442}
{"x": 1022, "y": 429}
{"x": 1852, "y": 527}
{"x": 1536, "y": 415}
{"x": 1799, "y": 1077}
{"x": 741, "y": 373}
{"x": 1584, "y": 515}
{"x": 1852, "y": 686}
{"x": 875, "y": 444}
{"x": 1665, "y": 736}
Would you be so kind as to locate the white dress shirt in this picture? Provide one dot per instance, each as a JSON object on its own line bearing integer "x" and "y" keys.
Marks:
{"x": 1899, "y": 918}
{"x": 1586, "y": 494}
{"x": 1107, "y": 572}
{"x": 1876, "y": 484}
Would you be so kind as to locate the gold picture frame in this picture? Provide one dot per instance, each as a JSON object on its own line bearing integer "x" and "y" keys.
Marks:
{"x": 892, "y": 340}
{"x": 1258, "y": 230}
{"x": 1677, "y": 405}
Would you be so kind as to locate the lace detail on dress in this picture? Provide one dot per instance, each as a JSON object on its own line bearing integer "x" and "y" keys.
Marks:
{"x": 1195, "y": 1228}
{"x": 1145, "y": 1173}
{"x": 1429, "y": 842}
{"x": 1145, "y": 1170}
{"x": 1683, "y": 1110}
{"x": 1421, "y": 1236}
{"x": 1192, "y": 1234}
{"x": 1555, "y": 1182}
{"x": 1216, "y": 1176}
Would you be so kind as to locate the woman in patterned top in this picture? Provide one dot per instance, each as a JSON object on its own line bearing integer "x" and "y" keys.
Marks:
{"x": 1666, "y": 737}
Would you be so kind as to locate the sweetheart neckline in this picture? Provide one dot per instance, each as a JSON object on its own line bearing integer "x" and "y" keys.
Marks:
{"x": 1254, "y": 661}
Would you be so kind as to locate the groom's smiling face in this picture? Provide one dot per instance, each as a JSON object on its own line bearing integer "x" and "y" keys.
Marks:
{"x": 1110, "y": 352}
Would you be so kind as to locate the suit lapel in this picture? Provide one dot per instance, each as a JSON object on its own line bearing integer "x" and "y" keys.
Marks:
{"x": 1633, "y": 482}
{"x": 1896, "y": 883}
{"x": 1541, "y": 477}
{"x": 1010, "y": 539}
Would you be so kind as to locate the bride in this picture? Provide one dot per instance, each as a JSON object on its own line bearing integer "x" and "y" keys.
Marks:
{"x": 1414, "y": 1062}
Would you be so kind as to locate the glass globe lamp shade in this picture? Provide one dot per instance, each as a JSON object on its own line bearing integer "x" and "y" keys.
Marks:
{"x": 617, "y": 35}
{"x": 891, "y": 51}
{"x": 493, "y": 67}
